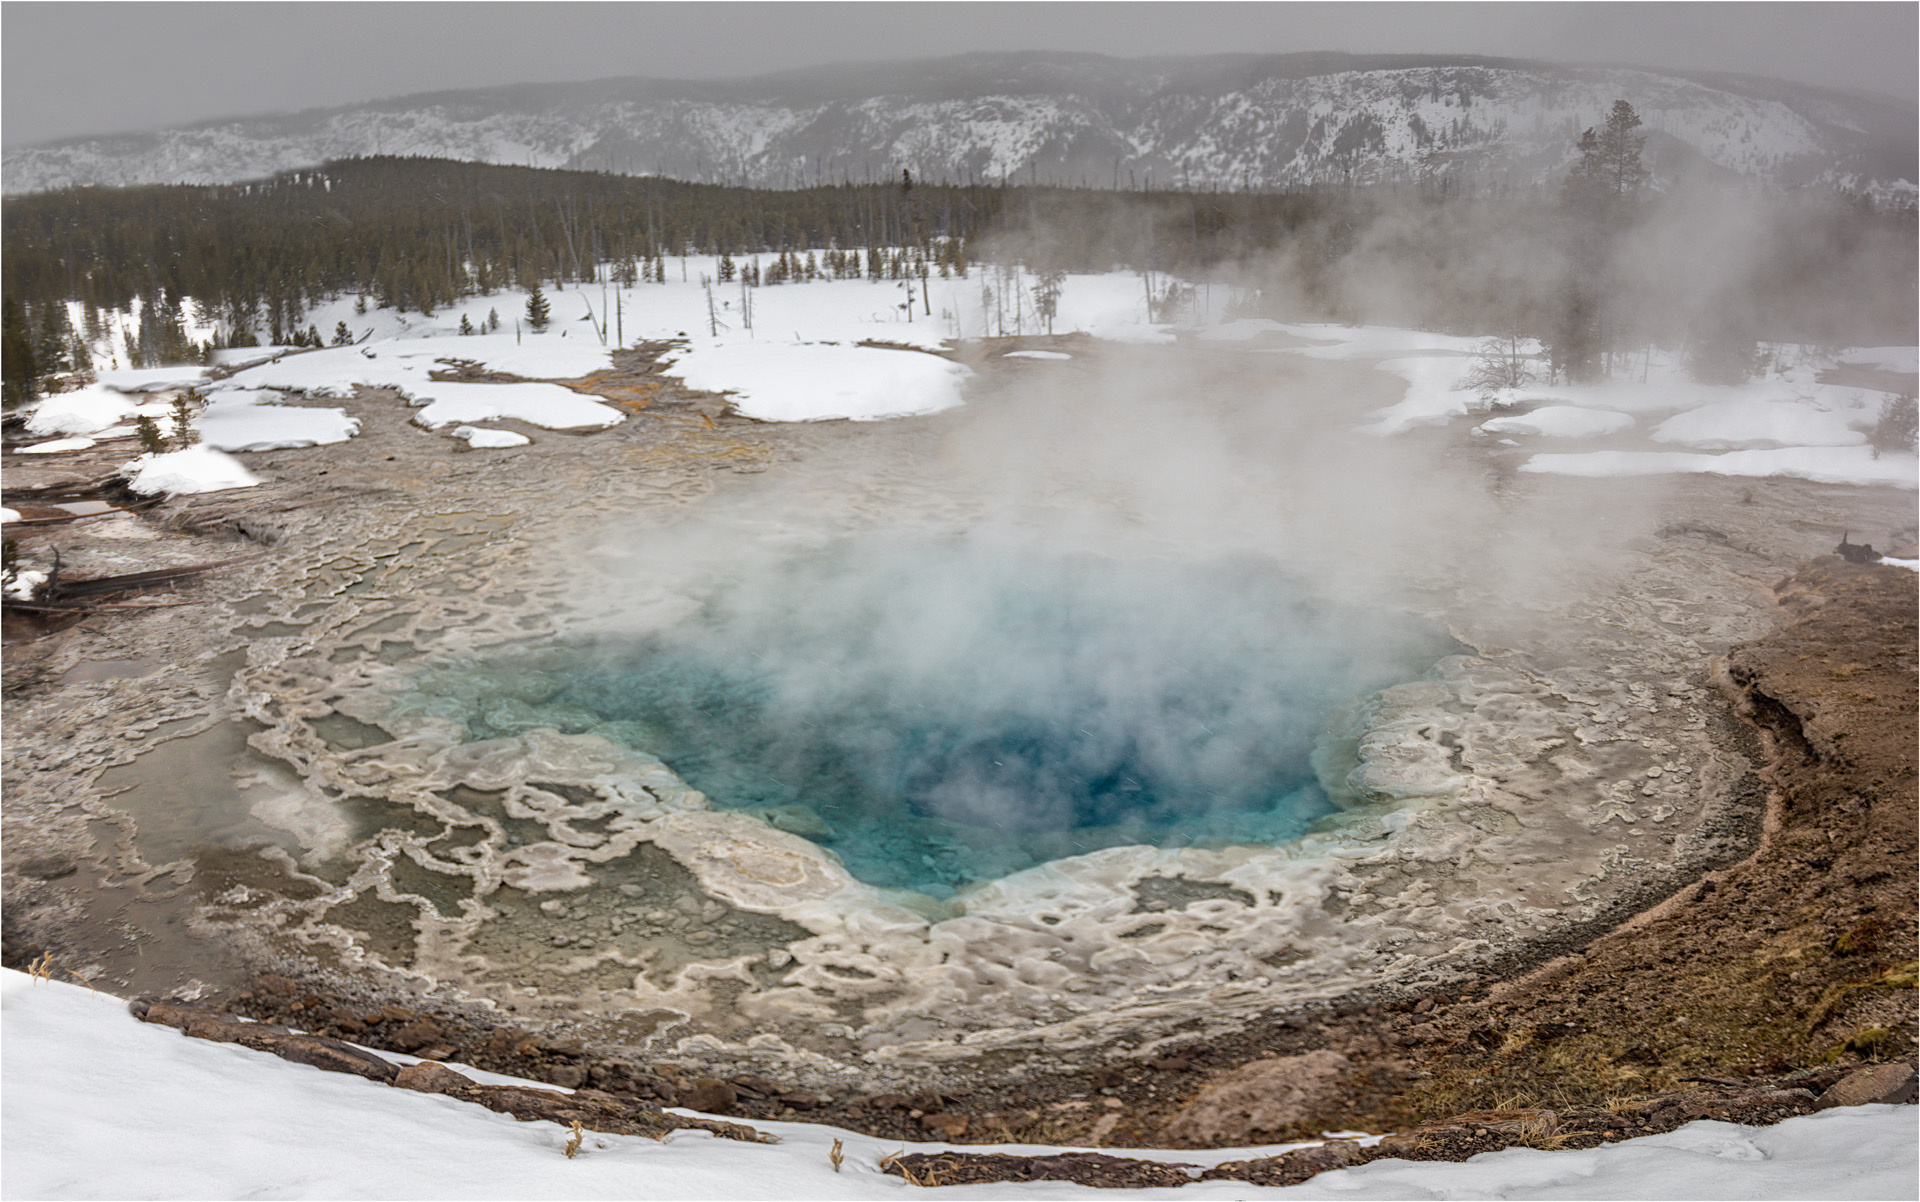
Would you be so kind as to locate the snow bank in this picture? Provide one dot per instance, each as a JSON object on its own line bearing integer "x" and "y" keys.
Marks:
{"x": 1829, "y": 465}
{"x": 1884, "y": 358}
{"x": 1561, "y": 421}
{"x": 1433, "y": 393}
{"x": 1784, "y": 423}
{"x": 86, "y": 411}
{"x": 538, "y": 357}
{"x": 789, "y": 382}
{"x": 196, "y": 469}
{"x": 243, "y": 356}
{"x": 476, "y": 437}
{"x": 1036, "y": 355}
{"x": 244, "y": 421}
{"x": 1374, "y": 342}
{"x": 1726, "y": 425}
{"x": 151, "y": 379}
{"x": 407, "y": 365}
{"x": 1241, "y": 330}
{"x": 98, "y": 1105}
{"x": 547, "y": 405}
{"x": 57, "y": 445}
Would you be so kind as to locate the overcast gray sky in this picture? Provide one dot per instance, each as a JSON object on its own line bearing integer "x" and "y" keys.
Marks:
{"x": 72, "y": 69}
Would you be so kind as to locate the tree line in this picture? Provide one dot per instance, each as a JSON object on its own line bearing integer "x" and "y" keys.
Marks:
{"x": 1596, "y": 264}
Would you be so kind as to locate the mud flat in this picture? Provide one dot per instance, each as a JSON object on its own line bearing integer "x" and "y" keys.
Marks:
{"x": 281, "y": 796}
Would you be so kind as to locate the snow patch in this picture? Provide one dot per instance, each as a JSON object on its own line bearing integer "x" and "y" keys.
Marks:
{"x": 151, "y": 379}
{"x": 478, "y": 438}
{"x": 57, "y": 445}
{"x": 86, "y": 411}
{"x": 238, "y": 421}
{"x": 1561, "y": 421}
{"x": 804, "y": 382}
{"x": 1731, "y": 424}
{"x": 1828, "y": 465}
{"x": 196, "y": 469}
{"x": 547, "y": 405}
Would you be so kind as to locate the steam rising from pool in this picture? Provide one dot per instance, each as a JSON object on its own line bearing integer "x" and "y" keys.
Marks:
{"x": 944, "y": 712}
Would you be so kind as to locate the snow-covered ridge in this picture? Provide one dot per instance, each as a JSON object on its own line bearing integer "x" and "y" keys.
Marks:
{"x": 1234, "y": 121}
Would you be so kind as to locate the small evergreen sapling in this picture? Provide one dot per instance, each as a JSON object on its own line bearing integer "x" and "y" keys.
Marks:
{"x": 183, "y": 410}
{"x": 151, "y": 440}
{"x": 1898, "y": 428}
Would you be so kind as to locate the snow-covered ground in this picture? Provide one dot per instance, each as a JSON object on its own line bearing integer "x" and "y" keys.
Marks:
{"x": 1785, "y": 422}
{"x": 848, "y": 349}
{"x": 99, "y": 1105}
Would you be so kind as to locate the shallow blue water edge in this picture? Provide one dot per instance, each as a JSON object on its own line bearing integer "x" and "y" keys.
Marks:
{"x": 942, "y": 714}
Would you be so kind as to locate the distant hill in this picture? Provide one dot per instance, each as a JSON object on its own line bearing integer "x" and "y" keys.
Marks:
{"x": 1225, "y": 121}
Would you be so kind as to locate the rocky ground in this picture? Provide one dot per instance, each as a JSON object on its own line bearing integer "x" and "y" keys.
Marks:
{"x": 1764, "y": 980}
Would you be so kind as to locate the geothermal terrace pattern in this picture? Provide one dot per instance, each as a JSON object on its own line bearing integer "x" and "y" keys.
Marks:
{"x": 1569, "y": 762}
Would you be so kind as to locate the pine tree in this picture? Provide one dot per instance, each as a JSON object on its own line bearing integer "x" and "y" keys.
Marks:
{"x": 183, "y": 407}
{"x": 1609, "y": 169}
{"x": 342, "y": 336}
{"x": 17, "y": 369}
{"x": 150, "y": 438}
{"x": 52, "y": 342}
{"x": 538, "y": 310}
{"x": 466, "y": 324}
{"x": 493, "y": 320}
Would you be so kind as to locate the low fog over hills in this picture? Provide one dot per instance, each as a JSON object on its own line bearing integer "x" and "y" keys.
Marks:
{"x": 1225, "y": 121}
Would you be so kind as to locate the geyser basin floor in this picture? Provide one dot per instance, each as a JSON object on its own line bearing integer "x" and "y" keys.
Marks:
{"x": 1512, "y": 802}
{"x": 942, "y": 713}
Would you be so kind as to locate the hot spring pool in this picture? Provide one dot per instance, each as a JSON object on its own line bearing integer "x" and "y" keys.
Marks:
{"x": 940, "y": 713}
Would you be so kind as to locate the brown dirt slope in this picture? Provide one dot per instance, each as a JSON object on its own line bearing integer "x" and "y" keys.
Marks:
{"x": 1800, "y": 957}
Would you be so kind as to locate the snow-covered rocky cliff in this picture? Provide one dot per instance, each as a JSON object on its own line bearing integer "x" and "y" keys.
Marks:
{"x": 1220, "y": 121}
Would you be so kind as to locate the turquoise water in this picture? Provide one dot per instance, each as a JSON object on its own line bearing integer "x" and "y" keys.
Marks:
{"x": 942, "y": 713}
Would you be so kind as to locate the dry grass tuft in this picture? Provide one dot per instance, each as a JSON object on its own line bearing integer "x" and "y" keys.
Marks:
{"x": 836, "y": 1155}
{"x": 574, "y": 1141}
